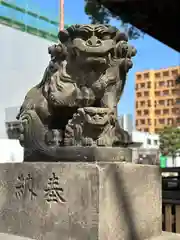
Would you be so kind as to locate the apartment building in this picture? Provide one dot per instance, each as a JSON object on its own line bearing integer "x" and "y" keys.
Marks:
{"x": 156, "y": 99}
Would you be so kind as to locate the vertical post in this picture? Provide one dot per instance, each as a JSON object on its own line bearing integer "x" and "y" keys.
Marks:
{"x": 61, "y": 12}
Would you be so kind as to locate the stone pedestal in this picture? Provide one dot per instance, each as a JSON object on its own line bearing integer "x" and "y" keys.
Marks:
{"x": 81, "y": 154}
{"x": 80, "y": 201}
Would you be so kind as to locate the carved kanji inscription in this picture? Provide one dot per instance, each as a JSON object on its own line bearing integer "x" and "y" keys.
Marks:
{"x": 53, "y": 191}
{"x": 25, "y": 187}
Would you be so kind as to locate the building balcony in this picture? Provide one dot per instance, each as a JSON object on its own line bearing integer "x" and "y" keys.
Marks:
{"x": 141, "y": 98}
{"x": 143, "y": 107}
{"x": 164, "y": 88}
{"x": 164, "y": 97}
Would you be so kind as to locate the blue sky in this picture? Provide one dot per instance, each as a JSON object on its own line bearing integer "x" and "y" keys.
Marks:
{"x": 151, "y": 54}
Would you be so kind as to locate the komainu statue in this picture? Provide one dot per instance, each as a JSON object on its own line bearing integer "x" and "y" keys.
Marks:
{"x": 75, "y": 104}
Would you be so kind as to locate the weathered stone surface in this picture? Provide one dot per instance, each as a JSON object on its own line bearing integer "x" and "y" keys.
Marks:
{"x": 82, "y": 154}
{"x": 29, "y": 209}
{"x": 96, "y": 201}
{"x": 4, "y": 236}
{"x": 166, "y": 236}
{"x": 131, "y": 196}
{"x": 75, "y": 103}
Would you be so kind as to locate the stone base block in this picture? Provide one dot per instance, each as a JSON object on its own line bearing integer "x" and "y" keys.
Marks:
{"x": 81, "y": 154}
{"x": 167, "y": 236}
{"x": 80, "y": 201}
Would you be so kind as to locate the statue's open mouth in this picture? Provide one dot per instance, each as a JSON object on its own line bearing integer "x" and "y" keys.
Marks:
{"x": 97, "y": 120}
{"x": 94, "y": 57}
{"x": 99, "y": 117}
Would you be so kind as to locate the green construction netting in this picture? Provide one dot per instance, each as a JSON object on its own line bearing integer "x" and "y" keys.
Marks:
{"x": 32, "y": 16}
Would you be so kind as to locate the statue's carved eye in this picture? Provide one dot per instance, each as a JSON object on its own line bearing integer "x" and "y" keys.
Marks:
{"x": 91, "y": 113}
{"x": 83, "y": 35}
{"x": 106, "y": 36}
{"x": 101, "y": 114}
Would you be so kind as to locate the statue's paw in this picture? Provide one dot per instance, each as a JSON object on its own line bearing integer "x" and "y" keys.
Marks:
{"x": 53, "y": 137}
{"x": 101, "y": 142}
{"x": 21, "y": 128}
{"x": 87, "y": 142}
{"x": 21, "y": 139}
{"x": 69, "y": 142}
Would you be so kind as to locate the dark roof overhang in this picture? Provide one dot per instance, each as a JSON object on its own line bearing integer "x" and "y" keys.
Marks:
{"x": 158, "y": 18}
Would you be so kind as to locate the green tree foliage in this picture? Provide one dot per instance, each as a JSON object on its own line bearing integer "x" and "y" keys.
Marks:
{"x": 99, "y": 14}
{"x": 170, "y": 140}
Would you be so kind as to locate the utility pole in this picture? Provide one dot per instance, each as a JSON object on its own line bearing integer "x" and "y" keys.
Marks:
{"x": 61, "y": 13}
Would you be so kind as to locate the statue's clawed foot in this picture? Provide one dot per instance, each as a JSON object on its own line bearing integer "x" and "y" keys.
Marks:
{"x": 87, "y": 142}
{"x": 54, "y": 137}
{"x": 101, "y": 142}
{"x": 22, "y": 127}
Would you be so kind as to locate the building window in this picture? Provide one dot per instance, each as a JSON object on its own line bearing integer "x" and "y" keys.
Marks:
{"x": 170, "y": 83}
{"x": 13, "y": 130}
{"x": 169, "y": 102}
{"x": 161, "y": 102}
{"x": 142, "y": 103}
{"x": 166, "y": 74}
{"x": 170, "y": 121}
{"x": 148, "y": 84}
{"x": 162, "y": 84}
{"x": 178, "y": 101}
{"x": 156, "y": 142}
{"x": 157, "y": 112}
{"x": 174, "y": 110}
{"x": 138, "y": 94}
{"x": 149, "y": 141}
{"x": 139, "y": 113}
{"x": 142, "y": 121}
{"x": 136, "y": 104}
{"x": 165, "y": 111}
{"x": 146, "y": 75}
{"x": 137, "y": 86}
{"x": 165, "y": 92}
{"x": 149, "y": 121}
{"x": 174, "y": 91}
{"x": 146, "y": 112}
{"x": 157, "y": 75}
{"x": 161, "y": 121}
{"x": 137, "y": 122}
{"x": 146, "y": 94}
{"x": 174, "y": 73}
{"x": 149, "y": 103}
{"x": 139, "y": 76}
{"x": 142, "y": 85}
{"x": 157, "y": 93}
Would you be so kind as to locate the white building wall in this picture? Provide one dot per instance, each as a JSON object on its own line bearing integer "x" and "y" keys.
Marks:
{"x": 24, "y": 58}
{"x": 148, "y": 140}
{"x": 11, "y": 151}
{"x": 126, "y": 122}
